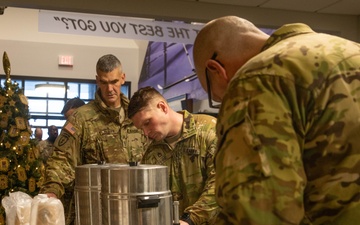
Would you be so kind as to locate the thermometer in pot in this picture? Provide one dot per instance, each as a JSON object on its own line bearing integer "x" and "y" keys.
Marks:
{"x": 176, "y": 213}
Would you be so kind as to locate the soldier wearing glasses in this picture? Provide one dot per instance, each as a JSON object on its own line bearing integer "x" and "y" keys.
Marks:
{"x": 288, "y": 127}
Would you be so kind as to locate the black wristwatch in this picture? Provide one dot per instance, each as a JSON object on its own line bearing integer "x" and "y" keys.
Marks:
{"x": 186, "y": 218}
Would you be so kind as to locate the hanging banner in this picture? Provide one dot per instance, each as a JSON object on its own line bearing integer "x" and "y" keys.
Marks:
{"x": 118, "y": 27}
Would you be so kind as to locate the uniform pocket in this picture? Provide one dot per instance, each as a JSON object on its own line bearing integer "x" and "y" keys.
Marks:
{"x": 110, "y": 147}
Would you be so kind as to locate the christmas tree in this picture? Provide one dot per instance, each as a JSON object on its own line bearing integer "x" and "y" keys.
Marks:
{"x": 21, "y": 169}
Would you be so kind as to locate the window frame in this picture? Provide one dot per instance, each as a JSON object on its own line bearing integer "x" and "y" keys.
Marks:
{"x": 23, "y": 79}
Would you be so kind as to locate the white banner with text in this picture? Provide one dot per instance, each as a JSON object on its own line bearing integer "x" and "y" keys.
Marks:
{"x": 118, "y": 27}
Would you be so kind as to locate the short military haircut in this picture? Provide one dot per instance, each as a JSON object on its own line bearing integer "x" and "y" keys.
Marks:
{"x": 50, "y": 128}
{"x": 107, "y": 63}
{"x": 141, "y": 99}
{"x": 73, "y": 103}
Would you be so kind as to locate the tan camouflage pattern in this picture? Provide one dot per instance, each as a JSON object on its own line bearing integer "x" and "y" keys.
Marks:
{"x": 288, "y": 129}
{"x": 92, "y": 134}
{"x": 46, "y": 149}
{"x": 191, "y": 168}
{"x": 289, "y": 134}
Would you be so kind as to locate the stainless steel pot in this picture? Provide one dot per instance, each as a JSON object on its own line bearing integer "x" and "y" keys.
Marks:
{"x": 119, "y": 194}
{"x": 136, "y": 195}
{"x": 87, "y": 194}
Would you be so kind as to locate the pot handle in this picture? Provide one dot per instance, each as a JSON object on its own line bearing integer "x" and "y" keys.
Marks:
{"x": 148, "y": 201}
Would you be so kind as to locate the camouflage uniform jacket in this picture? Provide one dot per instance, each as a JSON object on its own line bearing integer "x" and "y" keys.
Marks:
{"x": 190, "y": 164}
{"x": 46, "y": 149}
{"x": 289, "y": 130}
{"x": 92, "y": 134}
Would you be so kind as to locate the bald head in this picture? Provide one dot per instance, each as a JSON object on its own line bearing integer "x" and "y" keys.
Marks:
{"x": 221, "y": 33}
{"x": 233, "y": 39}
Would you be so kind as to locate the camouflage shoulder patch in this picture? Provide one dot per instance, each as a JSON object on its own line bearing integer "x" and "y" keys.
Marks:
{"x": 70, "y": 128}
{"x": 63, "y": 139}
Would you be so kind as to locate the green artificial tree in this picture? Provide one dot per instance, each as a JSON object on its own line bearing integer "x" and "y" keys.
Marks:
{"x": 21, "y": 169}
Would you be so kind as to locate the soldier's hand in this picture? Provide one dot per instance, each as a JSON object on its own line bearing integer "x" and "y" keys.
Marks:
{"x": 51, "y": 195}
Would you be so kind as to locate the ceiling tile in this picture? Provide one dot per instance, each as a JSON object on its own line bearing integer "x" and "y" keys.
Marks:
{"x": 236, "y": 2}
{"x": 350, "y": 7}
{"x": 299, "y": 5}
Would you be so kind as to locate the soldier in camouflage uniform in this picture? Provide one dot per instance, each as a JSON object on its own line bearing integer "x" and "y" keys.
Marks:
{"x": 185, "y": 143}
{"x": 46, "y": 147}
{"x": 97, "y": 132}
{"x": 289, "y": 124}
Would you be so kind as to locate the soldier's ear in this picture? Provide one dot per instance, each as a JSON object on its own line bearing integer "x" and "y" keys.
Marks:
{"x": 123, "y": 77}
{"x": 162, "y": 106}
{"x": 217, "y": 69}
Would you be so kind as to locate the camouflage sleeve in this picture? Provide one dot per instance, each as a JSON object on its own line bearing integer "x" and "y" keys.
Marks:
{"x": 204, "y": 210}
{"x": 42, "y": 145}
{"x": 259, "y": 171}
{"x": 60, "y": 170}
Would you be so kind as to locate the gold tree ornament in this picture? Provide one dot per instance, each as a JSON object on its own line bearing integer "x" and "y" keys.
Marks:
{"x": 6, "y": 66}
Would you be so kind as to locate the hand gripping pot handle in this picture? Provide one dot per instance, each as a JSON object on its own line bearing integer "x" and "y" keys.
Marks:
{"x": 148, "y": 201}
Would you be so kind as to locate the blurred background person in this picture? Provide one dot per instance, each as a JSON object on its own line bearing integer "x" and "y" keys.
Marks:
{"x": 46, "y": 147}
{"x": 38, "y": 134}
{"x": 71, "y": 106}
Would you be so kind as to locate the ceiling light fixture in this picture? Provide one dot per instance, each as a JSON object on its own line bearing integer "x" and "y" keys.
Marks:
{"x": 50, "y": 87}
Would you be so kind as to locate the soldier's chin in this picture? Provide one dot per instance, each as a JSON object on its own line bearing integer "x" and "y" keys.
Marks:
{"x": 110, "y": 102}
{"x": 155, "y": 137}
{"x": 111, "y": 99}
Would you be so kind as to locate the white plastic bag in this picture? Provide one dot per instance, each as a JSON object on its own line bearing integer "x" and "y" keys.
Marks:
{"x": 17, "y": 208}
{"x": 47, "y": 211}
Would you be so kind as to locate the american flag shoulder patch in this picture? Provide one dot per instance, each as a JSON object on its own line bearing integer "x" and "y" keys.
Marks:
{"x": 70, "y": 128}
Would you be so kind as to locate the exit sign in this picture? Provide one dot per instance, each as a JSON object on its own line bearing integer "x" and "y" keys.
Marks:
{"x": 66, "y": 60}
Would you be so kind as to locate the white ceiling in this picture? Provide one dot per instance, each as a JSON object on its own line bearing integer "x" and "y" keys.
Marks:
{"x": 347, "y": 7}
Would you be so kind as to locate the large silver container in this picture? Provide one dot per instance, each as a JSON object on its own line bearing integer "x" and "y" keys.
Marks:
{"x": 87, "y": 193}
{"x": 136, "y": 195}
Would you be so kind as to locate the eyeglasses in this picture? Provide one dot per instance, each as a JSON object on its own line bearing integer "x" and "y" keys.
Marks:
{"x": 211, "y": 104}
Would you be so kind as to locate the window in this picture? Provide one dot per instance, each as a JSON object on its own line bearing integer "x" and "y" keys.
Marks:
{"x": 47, "y": 97}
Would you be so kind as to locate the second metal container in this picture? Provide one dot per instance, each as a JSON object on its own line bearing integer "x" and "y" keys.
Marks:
{"x": 136, "y": 195}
